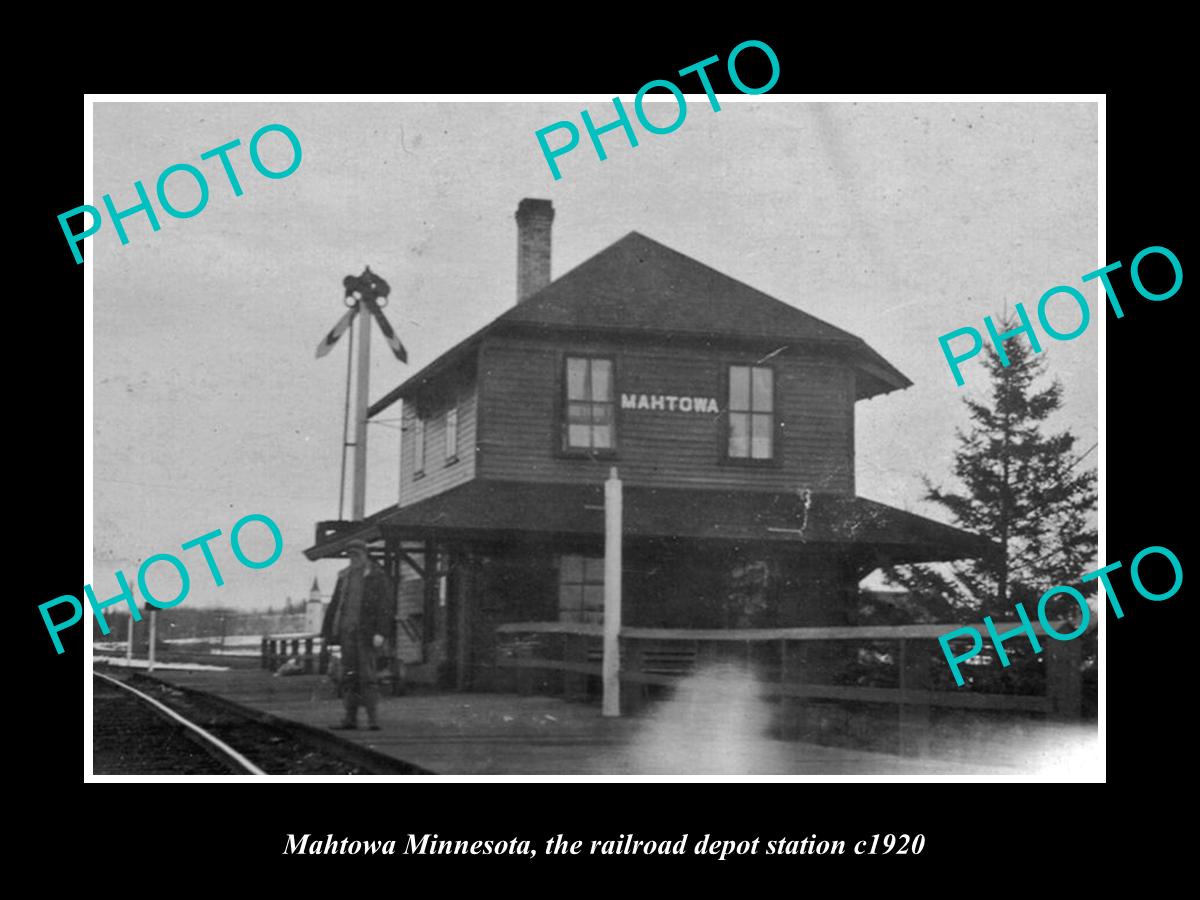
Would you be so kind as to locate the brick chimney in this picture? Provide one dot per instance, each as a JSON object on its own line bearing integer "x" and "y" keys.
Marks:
{"x": 533, "y": 246}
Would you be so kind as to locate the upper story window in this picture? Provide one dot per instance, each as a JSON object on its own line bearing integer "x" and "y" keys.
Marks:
{"x": 751, "y": 413}
{"x": 452, "y": 434}
{"x": 590, "y": 422}
{"x": 418, "y": 446}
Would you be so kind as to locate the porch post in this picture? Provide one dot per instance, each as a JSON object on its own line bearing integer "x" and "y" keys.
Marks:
{"x": 460, "y": 561}
{"x": 391, "y": 565}
{"x": 611, "y": 666}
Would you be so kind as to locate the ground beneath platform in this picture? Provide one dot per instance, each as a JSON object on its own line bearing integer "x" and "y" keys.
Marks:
{"x": 506, "y": 734}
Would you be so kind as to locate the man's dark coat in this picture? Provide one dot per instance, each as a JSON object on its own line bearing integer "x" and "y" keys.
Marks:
{"x": 377, "y": 610}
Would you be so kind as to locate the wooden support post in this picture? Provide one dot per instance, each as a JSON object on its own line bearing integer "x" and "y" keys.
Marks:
{"x": 391, "y": 560}
{"x": 1064, "y": 679}
{"x": 463, "y": 590}
{"x": 611, "y": 665}
{"x": 435, "y": 627}
{"x": 309, "y": 662}
{"x": 915, "y": 727}
{"x": 787, "y": 705}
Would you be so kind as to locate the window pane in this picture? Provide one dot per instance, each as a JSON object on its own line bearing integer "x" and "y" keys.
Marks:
{"x": 739, "y": 434}
{"x": 418, "y": 444}
{"x": 452, "y": 432}
{"x": 593, "y": 569}
{"x": 739, "y": 388}
{"x": 579, "y": 412}
{"x": 569, "y": 597}
{"x": 602, "y": 436}
{"x": 569, "y": 609}
{"x": 602, "y": 413}
{"x": 593, "y": 598}
{"x": 576, "y": 377}
{"x": 762, "y": 390}
{"x": 761, "y": 445}
{"x": 577, "y": 435}
{"x": 601, "y": 379}
{"x": 570, "y": 569}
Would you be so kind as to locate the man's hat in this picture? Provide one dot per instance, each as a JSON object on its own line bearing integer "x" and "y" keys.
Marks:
{"x": 357, "y": 544}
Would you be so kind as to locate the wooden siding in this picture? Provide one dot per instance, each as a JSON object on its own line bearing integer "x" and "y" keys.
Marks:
{"x": 438, "y": 475}
{"x": 520, "y": 385}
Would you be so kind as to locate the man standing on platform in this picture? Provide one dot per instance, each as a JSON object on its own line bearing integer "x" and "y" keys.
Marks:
{"x": 359, "y": 617}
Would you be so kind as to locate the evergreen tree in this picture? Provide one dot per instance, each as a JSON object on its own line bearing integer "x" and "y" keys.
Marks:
{"x": 1028, "y": 491}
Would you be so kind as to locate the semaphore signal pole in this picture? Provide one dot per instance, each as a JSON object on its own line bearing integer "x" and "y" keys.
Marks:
{"x": 364, "y": 293}
{"x": 358, "y": 503}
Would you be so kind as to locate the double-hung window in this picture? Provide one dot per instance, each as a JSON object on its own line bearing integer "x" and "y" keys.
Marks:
{"x": 418, "y": 446}
{"x": 590, "y": 410}
{"x": 751, "y": 413}
{"x": 452, "y": 434}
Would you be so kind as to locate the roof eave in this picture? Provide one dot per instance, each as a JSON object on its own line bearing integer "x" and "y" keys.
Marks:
{"x": 439, "y": 366}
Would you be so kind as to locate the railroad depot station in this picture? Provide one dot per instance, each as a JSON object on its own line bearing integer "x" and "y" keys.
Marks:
{"x": 728, "y": 416}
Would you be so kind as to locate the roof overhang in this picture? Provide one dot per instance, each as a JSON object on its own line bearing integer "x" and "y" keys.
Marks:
{"x": 520, "y": 510}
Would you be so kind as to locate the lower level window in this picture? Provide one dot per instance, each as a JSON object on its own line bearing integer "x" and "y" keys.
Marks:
{"x": 581, "y": 589}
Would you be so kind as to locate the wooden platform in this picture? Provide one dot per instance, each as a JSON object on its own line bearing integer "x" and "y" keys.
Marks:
{"x": 503, "y": 734}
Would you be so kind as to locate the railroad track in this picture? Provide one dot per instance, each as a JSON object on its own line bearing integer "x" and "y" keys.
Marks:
{"x": 146, "y": 726}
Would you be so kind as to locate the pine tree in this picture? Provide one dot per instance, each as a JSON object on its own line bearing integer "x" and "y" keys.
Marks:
{"x": 1028, "y": 491}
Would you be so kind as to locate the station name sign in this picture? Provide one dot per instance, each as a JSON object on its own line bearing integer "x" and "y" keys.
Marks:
{"x": 669, "y": 403}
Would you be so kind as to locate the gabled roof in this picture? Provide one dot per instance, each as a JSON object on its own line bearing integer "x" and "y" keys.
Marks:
{"x": 483, "y": 508}
{"x": 639, "y": 286}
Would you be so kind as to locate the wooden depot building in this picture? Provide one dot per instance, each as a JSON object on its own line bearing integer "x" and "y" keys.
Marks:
{"x": 728, "y": 414}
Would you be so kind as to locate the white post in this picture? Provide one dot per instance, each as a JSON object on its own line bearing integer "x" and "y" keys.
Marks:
{"x": 359, "y": 508}
{"x": 129, "y": 640}
{"x": 150, "y": 655}
{"x": 611, "y": 666}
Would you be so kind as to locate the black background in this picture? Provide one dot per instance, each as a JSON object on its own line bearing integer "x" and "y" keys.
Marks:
{"x": 975, "y": 833}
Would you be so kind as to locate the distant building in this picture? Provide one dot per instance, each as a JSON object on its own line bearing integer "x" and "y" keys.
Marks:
{"x": 729, "y": 415}
{"x": 314, "y": 610}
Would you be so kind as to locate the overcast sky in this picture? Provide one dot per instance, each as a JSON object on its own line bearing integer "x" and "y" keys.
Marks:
{"x": 896, "y": 222}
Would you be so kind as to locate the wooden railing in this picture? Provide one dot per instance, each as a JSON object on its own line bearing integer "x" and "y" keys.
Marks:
{"x": 277, "y": 650}
{"x": 784, "y": 664}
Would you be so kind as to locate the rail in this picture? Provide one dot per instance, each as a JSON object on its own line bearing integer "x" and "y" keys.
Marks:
{"x": 211, "y": 739}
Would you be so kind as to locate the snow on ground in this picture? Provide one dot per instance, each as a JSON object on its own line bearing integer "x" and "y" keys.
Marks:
{"x": 240, "y": 640}
{"x": 142, "y": 664}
